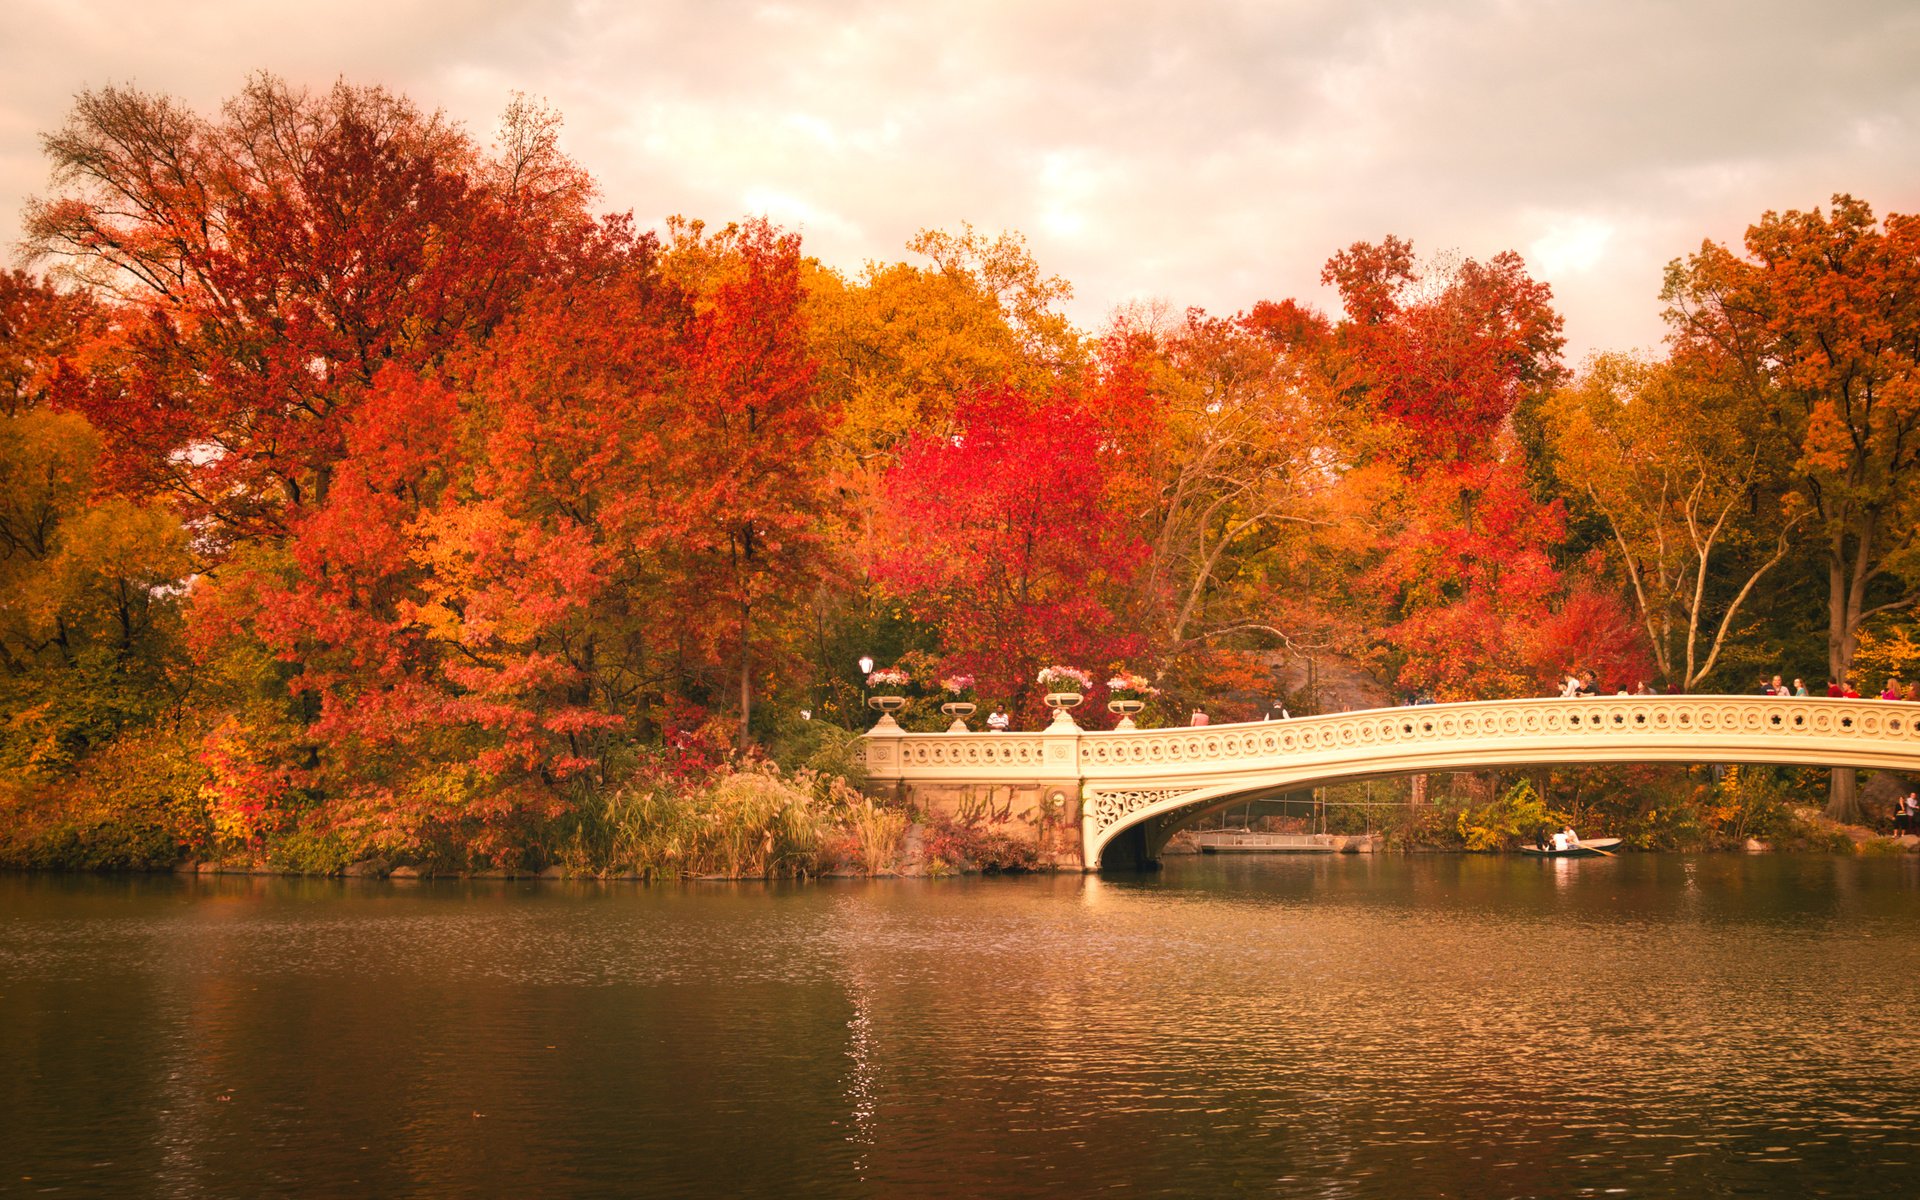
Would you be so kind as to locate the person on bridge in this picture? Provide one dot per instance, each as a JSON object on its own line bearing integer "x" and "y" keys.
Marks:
{"x": 1891, "y": 691}
{"x": 1799, "y": 687}
{"x": 998, "y": 721}
{"x": 1200, "y": 717}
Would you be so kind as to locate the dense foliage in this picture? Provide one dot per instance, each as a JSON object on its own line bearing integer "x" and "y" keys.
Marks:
{"x": 364, "y": 492}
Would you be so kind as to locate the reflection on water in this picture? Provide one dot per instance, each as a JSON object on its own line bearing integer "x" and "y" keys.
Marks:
{"x": 1346, "y": 1026}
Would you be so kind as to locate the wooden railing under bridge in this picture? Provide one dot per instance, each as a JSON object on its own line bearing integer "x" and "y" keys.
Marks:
{"x": 1142, "y": 785}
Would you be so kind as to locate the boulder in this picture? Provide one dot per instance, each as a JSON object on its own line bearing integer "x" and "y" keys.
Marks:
{"x": 366, "y": 868}
{"x": 404, "y": 872}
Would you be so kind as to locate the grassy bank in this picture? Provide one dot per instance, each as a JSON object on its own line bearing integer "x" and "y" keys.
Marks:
{"x": 143, "y": 805}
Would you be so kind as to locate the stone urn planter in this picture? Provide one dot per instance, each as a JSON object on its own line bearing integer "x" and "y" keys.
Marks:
{"x": 959, "y": 710}
{"x": 887, "y": 706}
{"x": 1061, "y": 703}
{"x": 1124, "y": 709}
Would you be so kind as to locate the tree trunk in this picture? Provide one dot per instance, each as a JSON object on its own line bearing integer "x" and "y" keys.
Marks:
{"x": 1843, "y": 799}
{"x": 1843, "y": 796}
{"x": 746, "y": 672}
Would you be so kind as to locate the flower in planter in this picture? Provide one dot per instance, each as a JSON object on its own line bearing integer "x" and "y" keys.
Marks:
{"x": 1064, "y": 679}
{"x": 1127, "y": 686}
{"x": 957, "y": 687}
{"x": 892, "y": 677}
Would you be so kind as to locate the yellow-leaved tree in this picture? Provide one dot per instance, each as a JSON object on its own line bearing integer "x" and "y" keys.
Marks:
{"x": 1689, "y": 478}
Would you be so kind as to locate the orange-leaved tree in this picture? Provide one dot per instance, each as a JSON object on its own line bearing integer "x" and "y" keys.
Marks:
{"x": 1820, "y": 320}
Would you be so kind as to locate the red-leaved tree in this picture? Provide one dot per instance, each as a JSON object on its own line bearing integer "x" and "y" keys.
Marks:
{"x": 1003, "y": 539}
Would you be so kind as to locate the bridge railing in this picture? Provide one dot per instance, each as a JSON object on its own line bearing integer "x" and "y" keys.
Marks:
{"x": 1668, "y": 723}
{"x": 1149, "y": 778}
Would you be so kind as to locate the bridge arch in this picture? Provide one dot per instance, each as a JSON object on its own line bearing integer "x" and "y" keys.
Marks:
{"x": 1137, "y": 784}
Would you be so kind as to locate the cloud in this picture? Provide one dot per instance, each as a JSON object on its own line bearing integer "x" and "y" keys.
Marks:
{"x": 1211, "y": 154}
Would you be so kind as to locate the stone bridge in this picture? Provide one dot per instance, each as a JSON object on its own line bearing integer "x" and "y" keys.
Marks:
{"x": 1130, "y": 791}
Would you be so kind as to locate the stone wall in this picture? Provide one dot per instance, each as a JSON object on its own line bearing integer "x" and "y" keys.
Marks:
{"x": 1047, "y": 815}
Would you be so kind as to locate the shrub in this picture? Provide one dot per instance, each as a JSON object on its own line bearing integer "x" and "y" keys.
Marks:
{"x": 749, "y": 822}
{"x": 1499, "y": 824}
{"x": 969, "y": 842}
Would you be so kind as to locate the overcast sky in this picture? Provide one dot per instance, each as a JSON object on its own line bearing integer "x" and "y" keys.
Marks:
{"x": 1209, "y": 154}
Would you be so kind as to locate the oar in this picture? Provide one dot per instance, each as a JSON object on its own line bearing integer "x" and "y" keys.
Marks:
{"x": 1598, "y": 850}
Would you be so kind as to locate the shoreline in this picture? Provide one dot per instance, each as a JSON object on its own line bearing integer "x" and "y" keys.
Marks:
{"x": 1871, "y": 846}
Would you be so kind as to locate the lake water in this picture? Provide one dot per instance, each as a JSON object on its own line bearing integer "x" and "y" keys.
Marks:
{"x": 1356, "y": 1026}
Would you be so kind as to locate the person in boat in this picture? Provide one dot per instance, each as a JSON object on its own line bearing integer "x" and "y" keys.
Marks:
{"x": 1572, "y": 839}
{"x": 1540, "y": 837}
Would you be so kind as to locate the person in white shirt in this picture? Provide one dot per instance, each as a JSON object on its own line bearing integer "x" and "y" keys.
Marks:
{"x": 998, "y": 721}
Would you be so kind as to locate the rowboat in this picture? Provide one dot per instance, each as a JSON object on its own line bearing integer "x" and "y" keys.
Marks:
{"x": 1588, "y": 848}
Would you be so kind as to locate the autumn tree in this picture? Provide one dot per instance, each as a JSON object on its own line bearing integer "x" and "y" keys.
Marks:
{"x": 274, "y": 258}
{"x": 1685, "y": 471}
{"x": 744, "y": 520}
{"x": 47, "y": 335}
{"x": 89, "y": 597}
{"x": 1226, "y": 454}
{"x": 1448, "y": 356}
{"x": 900, "y": 346}
{"x": 1820, "y": 320}
{"x": 1002, "y": 538}
{"x": 1464, "y": 580}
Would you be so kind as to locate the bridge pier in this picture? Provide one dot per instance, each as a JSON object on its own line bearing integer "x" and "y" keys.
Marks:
{"x": 1024, "y": 784}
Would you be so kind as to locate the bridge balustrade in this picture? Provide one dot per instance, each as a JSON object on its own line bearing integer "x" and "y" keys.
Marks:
{"x": 1158, "y": 777}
